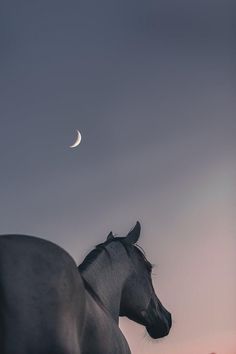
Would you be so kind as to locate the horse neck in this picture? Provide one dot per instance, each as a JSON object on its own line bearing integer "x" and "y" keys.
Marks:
{"x": 107, "y": 276}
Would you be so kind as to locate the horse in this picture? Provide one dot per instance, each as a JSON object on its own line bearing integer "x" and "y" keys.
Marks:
{"x": 49, "y": 305}
{"x": 117, "y": 280}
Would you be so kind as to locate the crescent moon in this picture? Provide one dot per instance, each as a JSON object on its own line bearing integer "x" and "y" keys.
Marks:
{"x": 77, "y": 141}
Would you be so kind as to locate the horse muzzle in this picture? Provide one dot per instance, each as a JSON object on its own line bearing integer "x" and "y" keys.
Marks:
{"x": 159, "y": 321}
{"x": 160, "y": 329}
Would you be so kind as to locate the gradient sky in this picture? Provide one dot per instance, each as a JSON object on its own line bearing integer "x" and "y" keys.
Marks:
{"x": 151, "y": 86}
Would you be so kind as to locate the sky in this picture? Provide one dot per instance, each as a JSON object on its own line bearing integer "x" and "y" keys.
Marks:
{"x": 151, "y": 87}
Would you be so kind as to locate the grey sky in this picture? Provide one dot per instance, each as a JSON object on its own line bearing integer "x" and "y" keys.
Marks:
{"x": 151, "y": 87}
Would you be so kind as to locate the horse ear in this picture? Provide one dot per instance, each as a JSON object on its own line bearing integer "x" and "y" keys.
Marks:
{"x": 134, "y": 234}
{"x": 110, "y": 236}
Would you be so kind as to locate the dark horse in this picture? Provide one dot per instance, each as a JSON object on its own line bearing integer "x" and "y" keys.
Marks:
{"x": 49, "y": 306}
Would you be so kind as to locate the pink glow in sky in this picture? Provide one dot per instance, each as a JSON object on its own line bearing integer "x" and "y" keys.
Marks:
{"x": 196, "y": 278}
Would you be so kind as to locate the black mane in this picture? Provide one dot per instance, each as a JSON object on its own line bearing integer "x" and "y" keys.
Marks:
{"x": 90, "y": 258}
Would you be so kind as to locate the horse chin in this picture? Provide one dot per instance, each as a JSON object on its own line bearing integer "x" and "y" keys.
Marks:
{"x": 156, "y": 332}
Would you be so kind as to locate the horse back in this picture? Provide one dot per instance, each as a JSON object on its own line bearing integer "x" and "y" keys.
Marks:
{"x": 41, "y": 298}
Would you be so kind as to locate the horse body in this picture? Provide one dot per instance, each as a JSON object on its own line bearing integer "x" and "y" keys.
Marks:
{"x": 48, "y": 305}
{"x": 42, "y": 298}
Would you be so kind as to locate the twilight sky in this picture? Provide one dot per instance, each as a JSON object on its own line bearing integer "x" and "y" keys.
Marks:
{"x": 151, "y": 86}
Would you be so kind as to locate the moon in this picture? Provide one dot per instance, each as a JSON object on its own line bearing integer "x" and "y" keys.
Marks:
{"x": 77, "y": 141}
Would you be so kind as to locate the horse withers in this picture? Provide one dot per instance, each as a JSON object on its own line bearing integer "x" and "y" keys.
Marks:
{"x": 48, "y": 305}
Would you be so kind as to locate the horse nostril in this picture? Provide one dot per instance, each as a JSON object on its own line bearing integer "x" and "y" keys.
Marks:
{"x": 167, "y": 320}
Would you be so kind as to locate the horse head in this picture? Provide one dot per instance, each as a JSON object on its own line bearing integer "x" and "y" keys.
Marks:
{"x": 139, "y": 301}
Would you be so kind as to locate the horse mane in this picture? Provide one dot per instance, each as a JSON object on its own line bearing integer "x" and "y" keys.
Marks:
{"x": 91, "y": 256}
